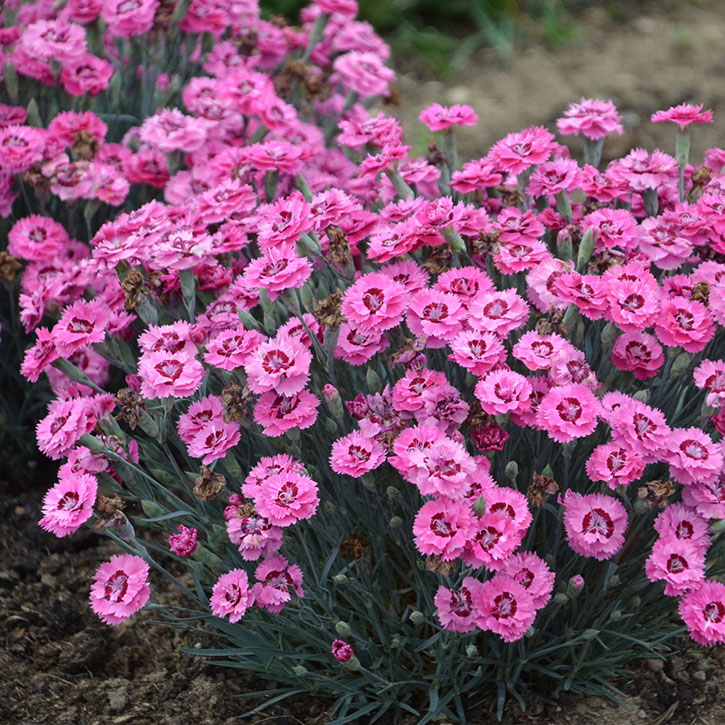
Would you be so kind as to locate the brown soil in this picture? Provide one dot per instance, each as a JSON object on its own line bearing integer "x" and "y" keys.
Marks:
{"x": 60, "y": 665}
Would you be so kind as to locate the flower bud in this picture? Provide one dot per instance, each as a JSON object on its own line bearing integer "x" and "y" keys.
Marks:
{"x": 609, "y": 334}
{"x": 471, "y": 650}
{"x": 343, "y": 629}
{"x": 614, "y": 580}
{"x": 642, "y": 396}
{"x": 530, "y": 632}
{"x": 340, "y": 579}
{"x": 329, "y": 507}
{"x": 548, "y": 471}
{"x": 369, "y": 482}
{"x": 616, "y": 615}
{"x": 394, "y": 643}
{"x": 248, "y": 319}
{"x": 512, "y": 470}
{"x": 352, "y": 664}
{"x": 293, "y": 434}
{"x": 718, "y": 526}
{"x": 333, "y": 401}
{"x": 575, "y": 585}
{"x": 586, "y": 247}
{"x": 681, "y": 363}
{"x": 396, "y": 522}
{"x": 636, "y": 602}
{"x": 310, "y": 244}
{"x": 341, "y": 651}
{"x": 299, "y": 670}
{"x": 563, "y": 244}
{"x": 417, "y": 617}
{"x": 590, "y": 634}
{"x": 393, "y": 494}
{"x": 480, "y": 506}
{"x": 10, "y": 81}
{"x": 331, "y": 426}
{"x": 560, "y": 598}
{"x": 373, "y": 381}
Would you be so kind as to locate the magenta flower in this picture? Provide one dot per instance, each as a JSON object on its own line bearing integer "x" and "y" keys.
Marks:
{"x": 568, "y": 412}
{"x": 375, "y": 303}
{"x": 492, "y": 539}
{"x": 443, "y": 527}
{"x": 184, "y": 543}
{"x": 683, "y": 115}
{"x": 277, "y": 579}
{"x": 253, "y": 534}
{"x": 37, "y": 238}
{"x": 439, "y": 118}
{"x": 693, "y": 457}
{"x": 214, "y": 440}
{"x": 685, "y": 323}
{"x": 592, "y": 118}
{"x": 638, "y": 352}
{"x": 437, "y": 316}
{"x": 708, "y": 375}
{"x": 465, "y": 282}
{"x": 615, "y": 464}
{"x": 278, "y": 270}
{"x": 490, "y": 438}
{"x": 356, "y": 454}
{"x": 363, "y": 73}
{"x": 682, "y": 522}
{"x": 478, "y": 174}
{"x": 231, "y": 595}
{"x": 165, "y": 375}
{"x": 708, "y": 499}
{"x": 125, "y": 18}
{"x": 498, "y": 312}
{"x": 595, "y": 524}
{"x": 279, "y": 413}
{"x": 504, "y": 607}
{"x": 287, "y": 497}
{"x": 519, "y": 151}
{"x": 357, "y": 347}
{"x": 533, "y": 574}
{"x": 633, "y": 305}
{"x": 703, "y": 610}
{"x": 231, "y": 349}
{"x": 342, "y": 651}
{"x": 69, "y": 503}
{"x": 678, "y": 562}
{"x": 408, "y": 391}
{"x": 502, "y": 391}
{"x": 537, "y": 351}
{"x": 281, "y": 365}
{"x": 456, "y": 610}
{"x": 615, "y": 228}
{"x": 66, "y": 422}
{"x": 120, "y": 588}
{"x": 80, "y": 325}
{"x": 38, "y": 358}
{"x": 552, "y": 177}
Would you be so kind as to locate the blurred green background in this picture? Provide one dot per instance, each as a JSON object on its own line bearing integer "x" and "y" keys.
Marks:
{"x": 443, "y": 34}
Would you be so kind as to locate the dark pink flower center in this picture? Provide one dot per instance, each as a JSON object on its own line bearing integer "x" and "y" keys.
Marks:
{"x": 359, "y": 453}
{"x": 461, "y": 604}
{"x": 616, "y": 460}
{"x": 677, "y": 564}
{"x": 502, "y": 507}
{"x": 170, "y": 369}
{"x": 714, "y": 612}
{"x": 80, "y": 326}
{"x": 525, "y": 577}
{"x": 287, "y": 494}
{"x": 569, "y": 410}
{"x": 685, "y": 319}
{"x": 694, "y": 449}
{"x": 505, "y": 606}
{"x": 440, "y": 527}
{"x": 496, "y": 309}
{"x": 633, "y": 302}
{"x": 68, "y": 501}
{"x": 435, "y": 312}
{"x": 488, "y": 537}
{"x": 598, "y": 521}
{"x": 233, "y": 595}
{"x": 58, "y": 423}
{"x": 542, "y": 348}
{"x": 116, "y": 586}
{"x": 644, "y": 427}
{"x": 684, "y": 530}
{"x": 373, "y": 299}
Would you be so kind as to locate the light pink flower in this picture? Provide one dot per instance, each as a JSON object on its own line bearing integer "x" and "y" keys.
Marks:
{"x": 703, "y": 610}
{"x": 641, "y": 171}
{"x": 363, "y": 73}
{"x": 595, "y": 524}
{"x": 642, "y": 428}
{"x": 511, "y": 503}
{"x": 442, "y": 527}
{"x": 613, "y": 227}
{"x": 276, "y": 580}
{"x": 638, "y": 352}
{"x": 437, "y": 316}
{"x": 684, "y": 323}
{"x": 279, "y": 413}
{"x": 287, "y": 497}
{"x": 129, "y": 17}
{"x": 375, "y": 303}
{"x": 417, "y": 438}
{"x": 278, "y": 270}
{"x": 568, "y": 412}
{"x": 519, "y": 151}
{"x": 86, "y": 74}
{"x": 537, "y": 351}
{"x": 254, "y": 535}
{"x": 681, "y": 521}
{"x": 69, "y": 503}
{"x": 553, "y": 177}
{"x": 439, "y": 118}
{"x": 456, "y": 610}
{"x": 499, "y": 312}
{"x": 615, "y": 464}
{"x": 37, "y": 238}
{"x": 504, "y": 607}
{"x": 357, "y": 347}
{"x": 464, "y": 282}
{"x": 184, "y": 543}
{"x": 443, "y": 468}
{"x": 120, "y": 588}
{"x": 66, "y": 422}
{"x": 502, "y": 391}
{"x": 533, "y": 574}
{"x": 693, "y": 457}
{"x": 214, "y": 440}
{"x": 633, "y": 305}
{"x": 167, "y": 374}
{"x": 355, "y": 454}
{"x": 231, "y": 349}
{"x": 586, "y": 291}
{"x": 493, "y": 538}
{"x": 281, "y": 365}
{"x": 231, "y": 595}
{"x": 678, "y": 562}
{"x": 592, "y": 118}
{"x": 408, "y": 391}
{"x": 683, "y": 115}
{"x": 478, "y": 352}
{"x": 710, "y": 375}
{"x": 80, "y": 325}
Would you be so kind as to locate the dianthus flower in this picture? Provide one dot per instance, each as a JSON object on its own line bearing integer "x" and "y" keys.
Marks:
{"x": 437, "y": 316}
{"x": 39, "y": 356}
{"x": 456, "y": 610}
{"x": 586, "y": 291}
{"x": 86, "y": 74}
{"x": 170, "y": 130}
{"x": 477, "y": 174}
{"x": 568, "y": 412}
{"x": 493, "y": 538}
{"x": 489, "y": 438}
{"x": 592, "y": 118}
{"x": 253, "y": 534}
{"x": 683, "y": 115}
{"x": 375, "y": 303}
{"x": 552, "y": 177}
{"x": 533, "y": 574}
{"x": 683, "y": 522}
{"x": 363, "y": 73}
{"x": 680, "y": 563}
{"x": 129, "y": 17}
{"x": 633, "y": 306}
{"x": 517, "y": 152}
{"x": 167, "y": 374}
{"x": 80, "y": 325}
{"x": 703, "y": 610}
{"x": 615, "y": 228}
{"x": 439, "y": 118}
{"x": 684, "y": 323}
{"x": 693, "y": 457}
{"x": 199, "y": 415}
{"x": 357, "y": 347}
{"x": 571, "y": 366}
{"x": 276, "y": 577}
{"x": 355, "y": 454}
{"x": 499, "y": 312}
{"x": 281, "y": 364}
{"x": 286, "y": 498}
{"x": 66, "y": 422}
{"x": 465, "y": 283}
{"x": 66, "y": 126}
{"x": 69, "y": 503}
{"x": 443, "y": 468}
{"x": 56, "y": 40}
{"x": 408, "y": 273}
{"x": 120, "y": 588}
{"x": 595, "y": 524}
{"x": 214, "y": 440}
{"x": 638, "y": 352}
{"x": 442, "y": 527}
{"x": 37, "y": 238}
{"x": 408, "y": 391}
{"x": 642, "y": 428}
{"x": 709, "y": 375}
{"x": 231, "y": 349}
{"x": 541, "y": 284}
{"x": 279, "y": 413}
{"x": 537, "y": 351}
{"x": 511, "y": 503}
{"x": 443, "y": 407}
{"x": 231, "y": 595}
{"x": 342, "y": 651}
{"x": 661, "y": 239}
{"x": 183, "y": 543}
{"x": 478, "y": 352}
{"x": 615, "y": 464}
{"x": 641, "y": 171}
{"x": 502, "y": 391}
{"x": 504, "y": 607}
{"x": 417, "y": 438}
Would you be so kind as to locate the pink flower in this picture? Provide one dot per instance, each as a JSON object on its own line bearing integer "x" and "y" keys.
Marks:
{"x": 56, "y": 40}
{"x": 502, "y": 391}
{"x": 568, "y": 412}
{"x": 641, "y": 171}
{"x": 437, "y": 316}
{"x": 69, "y": 503}
{"x": 269, "y": 466}
{"x": 703, "y": 610}
{"x": 464, "y": 282}
{"x": 642, "y": 428}
{"x": 592, "y": 118}
{"x": 276, "y": 577}
{"x": 120, "y": 588}
{"x": 633, "y": 305}
{"x": 478, "y": 352}
{"x": 537, "y": 351}
{"x": 408, "y": 273}
{"x": 231, "y": 595}
{"x": 442, "y": 527}
{"x": 439, "y": 118}
{"x": 456, "y": 610}
{"x": 586, "y": 291}
{"x": 707, "y": 498}
{"x": 184, "y": 543}
{"x": 66, "y": 422}
{"x": 613, "y": 227}
{"x": 342, "y": 651}
{"x": 214, "y": 440}
{"x": 662, "y": 240}
{"x": 681, "y": 521}
{"x": 170, "y": 130}
{"x": 595, "y": 524}
{"x": 477, "y": 174}
{"x": 39, "y": 356}
{"x": 167, "y": 374}
{"x": 281, "y": 365}
{"x": 375, "y": 303}
{"x": 37, "y": 238}
{"x": 20, "y": 147}
{"x": 200, "y": 414}
{"x": 80, "y": 325}
{"x": 693, "y": 457}
{"x": 615, "y": 464}
{"x": 493, "y": 538}
{"x": 686, "y": 323}
{"x": 279, "y": 413}
{"x": 417, "y": 438}
{"x": 552, "y": 177}
{"x": 408, "y": 391}
{"x": 231, "y": 349}
{"x": 357, "y": 347}
{"x": 678, "y": 562}
{"x": 363, "y": 73}
{"x": 253, "y": 534}
{"x": 499, "y": 312}
{"x": 129, "y": 17}
{"x": 86, "y": 74}
{"x": 490, "y": 438}
{"x": 710, "y": 375}
{"x": 519, "y": 151}
{"x": 638, "y": 352}
{"x": 511, "y": 503}
{"x": 683, "y": 115}
{"x": 287, "y": 497}
{"x": 504, "y": 607}
{"x": 356, "y": 454}
{"x": 441, "y": 469}
{"x": 278, "y": 270}
{"x": 533, "y": 574}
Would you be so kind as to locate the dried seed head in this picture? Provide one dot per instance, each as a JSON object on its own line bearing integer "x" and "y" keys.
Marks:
{"x": 9, "y": 266}
{"x": 85, "y": 145}
{"x": 701, "y": 292}
{"x": 339, "y": 250}
{"x": 209, "y": 485}
{"x": 327, "y": 311}
{"x": 540, "y": 488}
{"x": 130, "y": 405}
{"x": 234, "y": 401}
{"x": 435, "y": 564}
{"x": 655, "y": 493}
{"x": 439, "y": 260}
{"x": 353, "y": 547}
